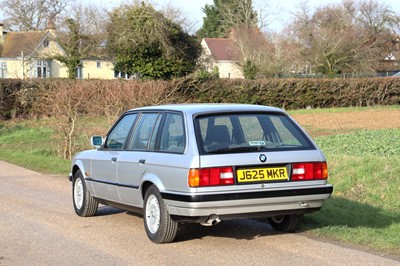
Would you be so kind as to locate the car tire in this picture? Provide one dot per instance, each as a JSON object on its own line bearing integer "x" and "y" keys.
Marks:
{"x": 286, "y": 223}
{"x": 84, "y": 204}
{"x": 159, "y": 226}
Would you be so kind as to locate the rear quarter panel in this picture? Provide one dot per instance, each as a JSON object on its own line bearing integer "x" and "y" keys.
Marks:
{"x": 170, "y": 171}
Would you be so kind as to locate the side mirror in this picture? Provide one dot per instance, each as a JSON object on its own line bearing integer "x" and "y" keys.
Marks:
{"x": 97, "y": 141}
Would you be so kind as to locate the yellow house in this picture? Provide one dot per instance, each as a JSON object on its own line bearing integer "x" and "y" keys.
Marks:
{"x": 27, "y": 54}
{"x": 95, "y": 68}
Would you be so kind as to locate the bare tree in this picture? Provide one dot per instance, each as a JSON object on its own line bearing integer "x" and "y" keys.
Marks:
{"x": 92, "y": 20}
{"x": 250, "y": 44}
{"x": 178, "y": 16}
{"x": 64, "y": 101}
{"x": 30, "y": 15}
{"x": 377, "y": 17}
{"x": 81, "y": 34}
{"x": 238, "y": 14}
{"x": 281, "y": 55}
{"x": 267, "y": 13}
{"x": 272, "y": 54}
{"x": 343, "y": 38}
{"x": 112, "y": 98}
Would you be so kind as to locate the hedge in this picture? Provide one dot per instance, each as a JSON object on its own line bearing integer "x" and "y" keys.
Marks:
{"x": 294, "y": 93}
{"x": 21, "y": 98}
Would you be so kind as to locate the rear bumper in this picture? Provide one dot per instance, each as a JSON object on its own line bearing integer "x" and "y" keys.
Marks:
{"x": 267, "y": 203}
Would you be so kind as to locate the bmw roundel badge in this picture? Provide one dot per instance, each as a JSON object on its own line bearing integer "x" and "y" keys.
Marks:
{"x": 262, "y": 158}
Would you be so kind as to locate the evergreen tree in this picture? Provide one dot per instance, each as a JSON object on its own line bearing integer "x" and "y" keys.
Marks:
{"x": 212, "y": 23}
{"x": 226, "y": 15}
{"x": 146, "y": 44}
{"x": 249, "y": 70}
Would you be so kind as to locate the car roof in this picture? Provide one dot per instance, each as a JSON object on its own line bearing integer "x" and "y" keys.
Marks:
{"x": 197, "y": 108}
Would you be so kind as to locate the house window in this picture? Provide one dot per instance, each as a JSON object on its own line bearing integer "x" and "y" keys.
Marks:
{"x": 3, "y": 70}
{"x": 46, "y": 43}
{"x": 98, "y": 64}
{"x": 42, "y": 69}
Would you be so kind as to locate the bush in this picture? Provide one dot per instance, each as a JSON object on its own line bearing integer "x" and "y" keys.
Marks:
{"x": 17, "y": 98}
{"x": 249, "y": 70}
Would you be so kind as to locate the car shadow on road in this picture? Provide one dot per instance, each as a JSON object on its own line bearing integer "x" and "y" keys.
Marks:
{"x": 336, "y": 211}
{"x": 240, "y": 229}
{"x": 247, "y": 229}
{"x": 104, "y": 210}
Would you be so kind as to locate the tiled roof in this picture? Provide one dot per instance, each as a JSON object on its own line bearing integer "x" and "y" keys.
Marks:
{"x": 17, "y": 42}
{"x": 221, "y": 48}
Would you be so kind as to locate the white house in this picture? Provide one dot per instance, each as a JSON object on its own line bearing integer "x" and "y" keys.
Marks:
{"x": 220, "y": 52}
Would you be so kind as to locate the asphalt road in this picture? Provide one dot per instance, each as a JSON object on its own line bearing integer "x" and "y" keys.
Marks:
{"x": 38, "y": 226}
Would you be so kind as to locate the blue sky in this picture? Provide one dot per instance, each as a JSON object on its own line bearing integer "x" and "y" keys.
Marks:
{"x": 282, "y": 8}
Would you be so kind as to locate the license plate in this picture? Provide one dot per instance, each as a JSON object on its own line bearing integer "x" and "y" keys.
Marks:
{"x": 262, "y": 174}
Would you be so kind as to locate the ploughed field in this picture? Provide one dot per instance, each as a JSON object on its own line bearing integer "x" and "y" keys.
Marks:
{"x": 348, "y": 120}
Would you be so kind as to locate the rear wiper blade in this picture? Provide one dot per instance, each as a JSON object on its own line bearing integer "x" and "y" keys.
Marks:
{"x": 236, "y": 149}
{"x": 283, "y": 145}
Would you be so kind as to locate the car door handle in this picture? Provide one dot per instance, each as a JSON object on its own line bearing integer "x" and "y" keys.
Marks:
{"x": 142, "y": 161}
{"x": 113, "y": 159}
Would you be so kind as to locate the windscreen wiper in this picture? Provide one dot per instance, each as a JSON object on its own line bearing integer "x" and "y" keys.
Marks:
{"x": 237, "y": 149}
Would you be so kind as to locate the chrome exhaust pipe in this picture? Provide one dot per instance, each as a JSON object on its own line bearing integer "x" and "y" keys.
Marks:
{"x": 213, "y": 219}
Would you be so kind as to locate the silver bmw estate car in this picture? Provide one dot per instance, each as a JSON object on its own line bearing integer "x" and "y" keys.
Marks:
{"x": 202, "y": 163}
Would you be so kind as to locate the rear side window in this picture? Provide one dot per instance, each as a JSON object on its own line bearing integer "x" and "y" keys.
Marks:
{"x": 173, "y": 134}
{"x": 249, "y": 132}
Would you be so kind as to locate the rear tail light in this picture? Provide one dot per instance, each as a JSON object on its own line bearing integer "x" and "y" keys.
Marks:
{"x": 215, "y": 176}
{"x": 309, "y": 171}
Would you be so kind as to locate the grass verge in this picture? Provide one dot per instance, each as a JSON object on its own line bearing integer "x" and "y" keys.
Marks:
{"x": 32, "y": 148}
{"x": 365, "y": 206}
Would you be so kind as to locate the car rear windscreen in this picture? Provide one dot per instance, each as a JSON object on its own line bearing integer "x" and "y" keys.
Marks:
{"x": 228, "y": 133}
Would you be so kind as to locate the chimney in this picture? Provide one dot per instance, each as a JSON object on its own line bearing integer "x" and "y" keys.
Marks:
{"x": 51, "y": 27}
{"x": 233, "y": 34}
{"x": 396, "y": 43}
{"x": 2, "y": 34}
